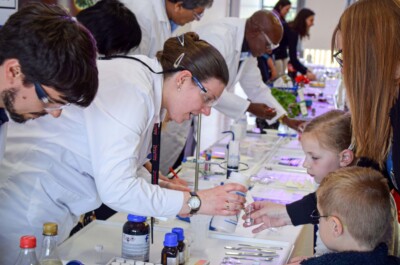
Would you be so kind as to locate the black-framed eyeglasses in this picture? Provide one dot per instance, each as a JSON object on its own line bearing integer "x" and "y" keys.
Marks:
{"x": 316, "y": 216}
{"x": 339, "y": 57}
{"x": 49, "y": 104}
{"x": 210, "y": 102}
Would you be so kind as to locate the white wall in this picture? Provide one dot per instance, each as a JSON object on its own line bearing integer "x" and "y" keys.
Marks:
{"x": 327, "y": 14}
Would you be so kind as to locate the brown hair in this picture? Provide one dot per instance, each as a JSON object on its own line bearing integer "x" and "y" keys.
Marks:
{"x": 332, "y": 130}
{"x": 360, "y": 198}
{"x": 299, "y": 24}
{"x": 370, "y": 32}
{"x": 200, "y": 58}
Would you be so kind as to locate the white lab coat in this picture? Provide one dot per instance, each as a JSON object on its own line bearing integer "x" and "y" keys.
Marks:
{"x": 57, "y": 169}
{"x": 154, "y": 23}
{"x": 227, "y": 35}
{"x": 3, "y": 135}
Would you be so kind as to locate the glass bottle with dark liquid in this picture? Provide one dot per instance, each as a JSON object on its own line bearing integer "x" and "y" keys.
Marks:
{"x": 170, "y": 252}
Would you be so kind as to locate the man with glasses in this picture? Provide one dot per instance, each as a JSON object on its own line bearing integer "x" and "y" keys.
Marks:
{"x": 47, "y": 61}
{"x": 240, "y": 41}
{"x": 159, "y": 19}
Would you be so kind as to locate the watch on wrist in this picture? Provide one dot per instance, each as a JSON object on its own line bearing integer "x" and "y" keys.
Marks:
{"x": 194, "y": 202}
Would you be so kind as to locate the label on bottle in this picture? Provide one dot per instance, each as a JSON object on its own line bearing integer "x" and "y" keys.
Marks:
{"x": 135, "y": 247}
{"x": 181, "y": 257}
{"x": 172, "y": 261}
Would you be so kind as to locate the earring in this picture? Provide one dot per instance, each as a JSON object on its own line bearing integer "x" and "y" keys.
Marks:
{"x": 179, "y": 87}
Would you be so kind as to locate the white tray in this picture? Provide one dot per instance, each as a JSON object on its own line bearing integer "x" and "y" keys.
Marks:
{"x": 81, "y": 245}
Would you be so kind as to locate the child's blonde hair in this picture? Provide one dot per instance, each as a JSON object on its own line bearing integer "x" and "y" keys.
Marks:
{"x": 332, "y": 130}
{"x": 360, "y": 198}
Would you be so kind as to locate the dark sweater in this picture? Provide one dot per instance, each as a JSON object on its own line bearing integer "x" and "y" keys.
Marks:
{"x": 379, "y": 256}
{"x": 289, "y": 41}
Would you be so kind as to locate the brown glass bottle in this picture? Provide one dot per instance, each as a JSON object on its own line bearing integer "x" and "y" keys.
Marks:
{"x": 170, "y": 252}
{"x": 181, "y": 244}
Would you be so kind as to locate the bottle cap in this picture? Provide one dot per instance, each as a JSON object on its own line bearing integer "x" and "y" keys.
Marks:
{"x": 50, "y": 229}
{"x": 179, "y": 232}
{"x": 171, "y": 240}
{"x": 74, "y": 262}
{"x": 136, "y": 218}
{"x": 27, "y": 242}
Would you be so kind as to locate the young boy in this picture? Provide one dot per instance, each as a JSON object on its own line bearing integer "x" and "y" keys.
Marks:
{"x": 353, "y": 210}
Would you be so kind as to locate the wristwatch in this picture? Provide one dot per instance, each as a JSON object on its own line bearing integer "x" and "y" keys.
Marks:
{"x": 194, "y": 202}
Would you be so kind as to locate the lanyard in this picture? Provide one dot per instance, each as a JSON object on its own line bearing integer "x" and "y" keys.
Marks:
{"x": 155, "y": 164}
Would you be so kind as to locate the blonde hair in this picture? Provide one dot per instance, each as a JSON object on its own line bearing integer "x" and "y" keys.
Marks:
{"x": 370, "y": 32}
{"x": 332, "y": 130}
{"x": 360, "y": 198}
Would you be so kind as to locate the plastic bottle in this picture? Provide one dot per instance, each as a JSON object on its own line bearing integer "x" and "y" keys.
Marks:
{"x": 49, "y": 254}
{"x": 181, "y": 244}
{"x": 243, "y": 125}
{"x": 228, "y": 223}
{"x": 170, "y": 252}
{"x": 233, "y": 157}
{"x": 27, "y": 254}
{"x": 135, "y": 238}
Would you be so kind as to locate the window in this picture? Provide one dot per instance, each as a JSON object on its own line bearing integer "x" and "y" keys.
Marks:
{"x": 248, "y": 7}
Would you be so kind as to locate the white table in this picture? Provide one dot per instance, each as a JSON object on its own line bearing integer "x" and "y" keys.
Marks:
{"x": 257, "y": 151}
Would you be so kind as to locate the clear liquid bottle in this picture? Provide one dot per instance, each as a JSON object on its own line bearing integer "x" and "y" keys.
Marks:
{"x": 49, "y": 254}
{"x": 27, "y": 254}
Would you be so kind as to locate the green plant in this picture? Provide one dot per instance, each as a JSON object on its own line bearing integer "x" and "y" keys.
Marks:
{"x": 287, "y": 100}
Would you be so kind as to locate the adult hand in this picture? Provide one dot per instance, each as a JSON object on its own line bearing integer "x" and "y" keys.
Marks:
{"x": 172, "y": 186}
{"x": 261, "y": 111}
{"x": 311, "y": 76}
{"x": 222, "y": 200}
{"x": 297, "y": 125}
{"x": 177, "y": 181}
{"x": 268, "y": 214}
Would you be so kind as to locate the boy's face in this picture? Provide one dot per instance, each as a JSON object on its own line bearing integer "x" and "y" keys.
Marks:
{"x": 319, "y": 161}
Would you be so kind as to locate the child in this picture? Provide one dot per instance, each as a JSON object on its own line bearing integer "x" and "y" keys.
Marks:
{"x": 326, "y": 143}
{"x": 354, "y": 210}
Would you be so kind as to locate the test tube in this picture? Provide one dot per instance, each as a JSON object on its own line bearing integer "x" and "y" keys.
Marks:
{"x": 249, "y": 221}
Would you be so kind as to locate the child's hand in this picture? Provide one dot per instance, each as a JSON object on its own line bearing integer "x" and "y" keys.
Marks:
{"x": 297, "y": 260}
{"x": 267, "y": 215}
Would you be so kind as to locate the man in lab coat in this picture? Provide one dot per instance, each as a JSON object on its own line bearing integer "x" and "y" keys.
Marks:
{"x": 159, "y": 18}
{"x": 41, "y": 74}
{"x": 240, "y": 41}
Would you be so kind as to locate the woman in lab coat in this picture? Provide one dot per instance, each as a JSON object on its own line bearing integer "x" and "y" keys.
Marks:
{"x": 58, "y": 171}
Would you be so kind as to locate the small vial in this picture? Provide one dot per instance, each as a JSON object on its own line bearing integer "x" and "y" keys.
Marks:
{"x": 207, "y": 154}
{"x": 170, "y": 252}
{"x": 181, "y": 244}
{"x": 98, "y": 255}
{"x": 249, "y": 221}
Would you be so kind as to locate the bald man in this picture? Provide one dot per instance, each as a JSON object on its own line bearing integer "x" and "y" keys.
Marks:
{"x": 240, "y": 41}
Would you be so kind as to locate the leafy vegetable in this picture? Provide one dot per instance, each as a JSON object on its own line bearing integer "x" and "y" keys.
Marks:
{"x": 287, "y": 100}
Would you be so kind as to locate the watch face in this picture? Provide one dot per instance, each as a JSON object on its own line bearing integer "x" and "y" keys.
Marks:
{"x": 194, "y": 202}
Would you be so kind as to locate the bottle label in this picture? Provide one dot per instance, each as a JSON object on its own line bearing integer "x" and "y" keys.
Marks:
{"x": 172, "y": 261}
{"x": 135, "y": 247}
{"x": 181, "y": 257}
